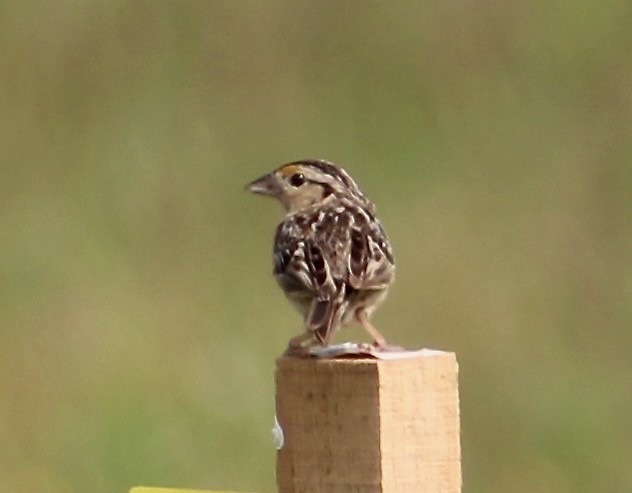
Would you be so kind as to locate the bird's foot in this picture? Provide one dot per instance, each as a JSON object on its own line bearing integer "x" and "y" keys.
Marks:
{"x": 297, "y": 351}
{"x": 383, "y": 346}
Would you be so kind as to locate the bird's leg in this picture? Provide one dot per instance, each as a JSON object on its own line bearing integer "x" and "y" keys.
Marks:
{"x": 378, "y": 339}
{"x": 372, "y": 331}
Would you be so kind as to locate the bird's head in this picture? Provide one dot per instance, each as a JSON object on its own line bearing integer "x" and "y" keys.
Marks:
{"x": 302, "y": 184}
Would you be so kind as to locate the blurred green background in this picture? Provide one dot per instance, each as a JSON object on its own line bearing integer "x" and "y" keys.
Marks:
{"x": 139, "y": 321}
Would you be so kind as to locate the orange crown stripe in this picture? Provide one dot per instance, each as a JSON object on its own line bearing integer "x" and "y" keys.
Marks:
{"x": 289, "y": 169}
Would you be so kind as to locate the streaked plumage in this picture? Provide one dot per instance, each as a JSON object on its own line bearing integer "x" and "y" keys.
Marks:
{"x": 331, "y": 255}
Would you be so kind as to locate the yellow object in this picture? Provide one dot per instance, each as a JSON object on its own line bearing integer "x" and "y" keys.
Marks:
{"x": 149, "y": 489}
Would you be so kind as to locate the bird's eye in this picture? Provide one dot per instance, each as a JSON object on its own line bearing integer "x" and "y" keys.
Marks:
{"x": 297, "y": 179}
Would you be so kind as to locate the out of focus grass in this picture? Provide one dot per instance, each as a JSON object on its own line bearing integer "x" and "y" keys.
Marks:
{"x": 138, "y": 319}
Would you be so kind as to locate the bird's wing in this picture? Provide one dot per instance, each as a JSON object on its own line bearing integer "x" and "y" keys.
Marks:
{"x": 300, "y": 262}
{"x": 371, "y": 261}
{"x": 303, "y": 271}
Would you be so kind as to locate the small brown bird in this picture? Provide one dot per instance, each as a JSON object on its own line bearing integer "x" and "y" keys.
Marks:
{"x": 331, "y": 255}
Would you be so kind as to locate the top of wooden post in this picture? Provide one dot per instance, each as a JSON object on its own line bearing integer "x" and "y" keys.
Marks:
{"x": 369, "y": 425}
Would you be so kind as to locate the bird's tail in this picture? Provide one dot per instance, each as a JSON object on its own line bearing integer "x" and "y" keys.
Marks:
{"x": 324, "y": 318}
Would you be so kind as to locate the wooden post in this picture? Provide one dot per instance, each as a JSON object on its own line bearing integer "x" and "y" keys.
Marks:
{"x": 368, "y": 425}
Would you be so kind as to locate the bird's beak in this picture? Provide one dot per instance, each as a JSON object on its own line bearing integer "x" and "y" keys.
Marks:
{"x": 266, "y": 185}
